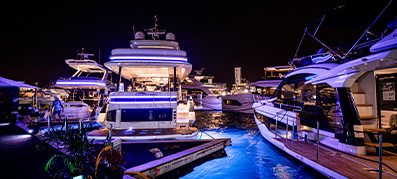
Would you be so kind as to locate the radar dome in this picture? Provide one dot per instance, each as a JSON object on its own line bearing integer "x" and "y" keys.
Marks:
{"x": 170, "y": 36}
{"x": 139, "y": 35}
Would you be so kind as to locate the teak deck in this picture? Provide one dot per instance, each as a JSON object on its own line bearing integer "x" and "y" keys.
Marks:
{"x": 348, "y": 165}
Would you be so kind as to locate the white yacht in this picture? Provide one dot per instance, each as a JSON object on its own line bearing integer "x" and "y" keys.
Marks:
{"x": 88, "y": 83}
{"x": 205, "y": 94}
{"x": 240, "y": 99}
{"x": 152, "y": 107}
{"x": 345, "y": 95}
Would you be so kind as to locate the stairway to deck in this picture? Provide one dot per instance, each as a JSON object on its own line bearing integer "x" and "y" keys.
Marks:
{"x": 366, "y": 111}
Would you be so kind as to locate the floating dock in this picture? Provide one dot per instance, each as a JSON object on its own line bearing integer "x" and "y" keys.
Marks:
{"x": 157, "y": 167}
{"x": 166, "y": 164}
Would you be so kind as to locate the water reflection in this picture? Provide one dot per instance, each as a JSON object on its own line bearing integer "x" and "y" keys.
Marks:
{"x": 250, "y": 156}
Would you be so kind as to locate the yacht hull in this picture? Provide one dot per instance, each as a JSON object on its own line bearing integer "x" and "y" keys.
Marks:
{"x": 239, "y": 103}
{"x": 211, "y": 103}
{"x": 269, "y": 136}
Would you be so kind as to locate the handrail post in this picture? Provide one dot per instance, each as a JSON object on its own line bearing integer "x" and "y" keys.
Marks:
{"x": 49, "y": 123}
{"x": 380, "y": 155}
{"x": 275, "y": 134}
{"x": 318, "y": 137}
{"x": 286, "y": 129}
{"x": 293, "y": 133}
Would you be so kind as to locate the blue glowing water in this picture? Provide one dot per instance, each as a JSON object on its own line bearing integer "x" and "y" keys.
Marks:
{"x": 250, "y": 155}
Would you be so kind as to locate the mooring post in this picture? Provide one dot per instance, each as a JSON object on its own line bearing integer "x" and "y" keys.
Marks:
{"x": 318, "y": 137}
{"x": 380, "y": 155}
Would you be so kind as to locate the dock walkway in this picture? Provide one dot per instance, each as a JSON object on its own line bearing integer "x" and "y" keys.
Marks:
{"x": 347, "y": 165}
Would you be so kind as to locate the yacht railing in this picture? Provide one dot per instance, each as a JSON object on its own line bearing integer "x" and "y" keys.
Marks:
{"x": 297, "y": 109}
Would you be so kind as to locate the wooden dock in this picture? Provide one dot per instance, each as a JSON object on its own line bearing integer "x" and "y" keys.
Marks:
{"x": 346, "y": 165}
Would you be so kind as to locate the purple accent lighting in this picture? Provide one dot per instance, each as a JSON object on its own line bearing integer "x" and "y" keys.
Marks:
{"x": 143, "y": 102}
{"x": 80, "y": 83}
{"x": 111, "y": 97}
{"x": 144, "y": 58}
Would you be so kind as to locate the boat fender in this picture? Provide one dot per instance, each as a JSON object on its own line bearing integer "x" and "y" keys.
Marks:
{"x": 159, "y": 154}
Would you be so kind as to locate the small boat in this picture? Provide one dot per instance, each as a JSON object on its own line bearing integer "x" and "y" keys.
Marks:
{"x": 151, "y": 107}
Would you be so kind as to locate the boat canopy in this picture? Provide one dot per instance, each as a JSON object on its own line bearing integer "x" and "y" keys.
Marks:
{"x": 86, "y": 65}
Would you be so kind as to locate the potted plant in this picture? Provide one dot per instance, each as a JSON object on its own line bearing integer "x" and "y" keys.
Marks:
{"x": 79, "y": 153}
{"x": 113, "y": 159}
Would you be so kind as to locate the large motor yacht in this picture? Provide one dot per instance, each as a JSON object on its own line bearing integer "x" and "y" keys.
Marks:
{"x": 151, "y": 107}
{"x": 346, "y": 93}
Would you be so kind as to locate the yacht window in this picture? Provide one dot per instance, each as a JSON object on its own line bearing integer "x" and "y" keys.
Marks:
{"x": 329, "y": 106}
{"x": 232, "y": 102}
{"x": 287, "y": 93}
{"x": 290, "y": 91}
{"x": 77, "y": 105}
{"x": 145, "y": 115}
{"x": 111, "y": 116}
{"x": 94, "y": 75}
{"x": 305, "y": 94}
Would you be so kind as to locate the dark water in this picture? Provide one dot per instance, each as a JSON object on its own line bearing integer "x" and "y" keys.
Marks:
{"x": 20, "y": 154}
{"x": 250, "y": 155}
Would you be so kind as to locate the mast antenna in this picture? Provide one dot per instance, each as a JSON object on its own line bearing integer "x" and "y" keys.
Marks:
{"x": 154, "y": 31}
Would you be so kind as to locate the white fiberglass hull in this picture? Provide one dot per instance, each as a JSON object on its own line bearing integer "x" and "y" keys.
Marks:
{"x": 269, "y": 136}
{"x": 239, "y": 103}
{"x": 326, "y": 138}
{"x": 211, "y": 103}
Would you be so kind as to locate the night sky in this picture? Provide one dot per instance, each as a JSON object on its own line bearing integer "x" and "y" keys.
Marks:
{"x": 218, "y": 36}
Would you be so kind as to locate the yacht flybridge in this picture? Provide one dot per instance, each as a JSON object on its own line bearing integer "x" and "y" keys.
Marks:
{"x": 89, "y": 74}
{"x": 150, "y": 107}
{"x": 88, "y": 83}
